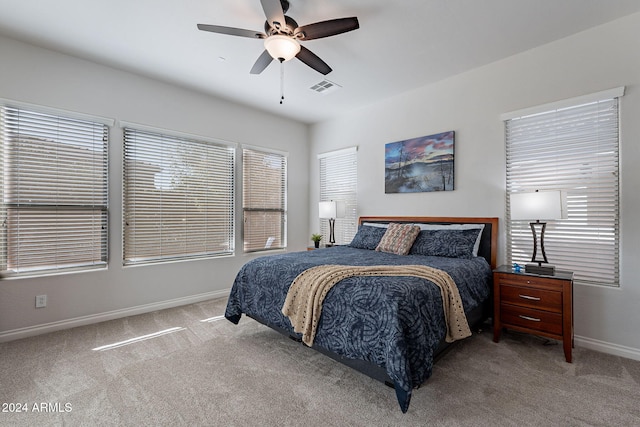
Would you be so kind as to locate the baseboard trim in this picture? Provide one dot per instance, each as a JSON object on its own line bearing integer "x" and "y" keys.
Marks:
{"x": 607, "y": 347}
{"x": 15, "y": 334}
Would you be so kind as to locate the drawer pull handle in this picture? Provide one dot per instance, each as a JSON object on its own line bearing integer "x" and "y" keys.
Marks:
{"x": 529, "y": 297}
{"x": 533, "y": 319}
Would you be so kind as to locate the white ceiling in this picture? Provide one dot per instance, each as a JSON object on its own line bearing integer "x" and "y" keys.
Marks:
{"x": 400, "y": 45}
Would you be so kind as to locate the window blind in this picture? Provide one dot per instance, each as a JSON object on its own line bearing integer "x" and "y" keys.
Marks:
{"x": 178, "y": 197}
{"x": 576, "y": 150}
{"x": 54, "y": 192}
{"x": 339, "y": 182}
{"x": 264, "y": 200}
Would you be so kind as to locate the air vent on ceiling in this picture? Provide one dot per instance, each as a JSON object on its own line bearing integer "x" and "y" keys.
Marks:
{"x": 325, "y": 87}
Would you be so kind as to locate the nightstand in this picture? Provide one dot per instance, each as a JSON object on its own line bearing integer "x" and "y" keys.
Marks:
{"x": 311, "y": 248}
{"x": 535, "y": 304}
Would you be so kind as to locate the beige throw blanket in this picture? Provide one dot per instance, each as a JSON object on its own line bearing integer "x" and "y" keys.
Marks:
{"x": 303, "y": 304}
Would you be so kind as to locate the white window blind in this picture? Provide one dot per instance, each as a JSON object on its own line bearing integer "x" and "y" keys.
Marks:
{"x": 178, "y": 197}
{"x": 339, "y": 182}
{"x": 264, "y": 199}
{"x": 54, "y": 192}
{"x": 573, "y": 149}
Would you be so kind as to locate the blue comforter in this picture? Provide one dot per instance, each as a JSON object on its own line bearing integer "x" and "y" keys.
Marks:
{"x": 395, "y": 323}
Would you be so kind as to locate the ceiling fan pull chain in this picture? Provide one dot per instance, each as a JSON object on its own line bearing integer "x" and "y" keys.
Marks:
{"x": 281, "y": 81}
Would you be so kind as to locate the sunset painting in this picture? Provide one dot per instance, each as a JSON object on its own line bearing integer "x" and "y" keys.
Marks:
{"x": 420, "y": 164}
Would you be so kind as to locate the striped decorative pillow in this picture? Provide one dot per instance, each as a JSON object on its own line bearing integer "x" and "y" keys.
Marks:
{"x": 398, "y": 238}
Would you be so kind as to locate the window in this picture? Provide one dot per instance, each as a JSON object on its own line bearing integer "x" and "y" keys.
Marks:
{"x": 178, "y": 197}
{"x": 572, "y": 148}
{"x": 54, "y": 192}
{"x": 339, "y": 182}
{"x": 264, "y": 199}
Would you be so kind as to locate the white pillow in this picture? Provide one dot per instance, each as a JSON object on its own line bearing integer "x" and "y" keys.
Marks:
{"x": 376, "y": 224}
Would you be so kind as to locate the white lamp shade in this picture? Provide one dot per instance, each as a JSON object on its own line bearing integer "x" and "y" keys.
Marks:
{"x": 539, "y": 205}
{"x": 328, "y": 209}
{"x": 332, "y": 209}
{"x": 280, "y": 46}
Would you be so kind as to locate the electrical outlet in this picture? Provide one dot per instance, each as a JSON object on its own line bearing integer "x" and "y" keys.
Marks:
{"x": 41, "y": 301}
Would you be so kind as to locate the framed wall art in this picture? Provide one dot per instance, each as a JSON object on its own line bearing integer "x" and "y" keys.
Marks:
{"x": 420, "y": 164}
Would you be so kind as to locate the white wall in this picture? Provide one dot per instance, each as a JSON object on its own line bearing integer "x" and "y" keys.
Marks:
{"x": 471, "y": 104}
{"x": 39, "y": 76}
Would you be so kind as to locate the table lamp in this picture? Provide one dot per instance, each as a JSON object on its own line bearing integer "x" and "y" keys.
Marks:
{"x": 538, "y": 205}
{"x": 331, "y": 210}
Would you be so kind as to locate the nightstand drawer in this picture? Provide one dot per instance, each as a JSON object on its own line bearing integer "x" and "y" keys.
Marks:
{"x": 532, "y": 298}
{"x": 533, "y": 281}
{"x": 531, "y": 319}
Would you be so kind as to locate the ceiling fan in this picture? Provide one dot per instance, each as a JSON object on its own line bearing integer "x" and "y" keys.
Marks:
{"x": 282, "y": 36}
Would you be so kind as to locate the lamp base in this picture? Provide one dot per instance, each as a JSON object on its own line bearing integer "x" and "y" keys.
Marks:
{"x": 546, "y": 270}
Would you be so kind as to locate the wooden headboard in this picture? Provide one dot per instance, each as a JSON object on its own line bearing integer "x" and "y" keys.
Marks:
{"x": 488, "y": 241}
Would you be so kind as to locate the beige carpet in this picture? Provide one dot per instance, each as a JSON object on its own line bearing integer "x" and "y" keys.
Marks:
{"x": 219, "y": 374}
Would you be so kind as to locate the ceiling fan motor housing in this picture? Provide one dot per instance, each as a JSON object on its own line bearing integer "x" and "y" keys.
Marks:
{"x": 288, "y": 29}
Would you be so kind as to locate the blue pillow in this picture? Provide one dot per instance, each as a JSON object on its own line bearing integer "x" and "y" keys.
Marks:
{"x": 445, "y": 243}
{"x": 367, "y": 237}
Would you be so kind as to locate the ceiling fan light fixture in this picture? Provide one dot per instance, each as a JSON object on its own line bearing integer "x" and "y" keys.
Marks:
{"x": 281, "y": 47}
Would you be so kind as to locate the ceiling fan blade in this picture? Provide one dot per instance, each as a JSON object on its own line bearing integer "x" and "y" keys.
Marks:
{"x": 327, "y": 28}
{"x": 232, "y": 31}
{"x": 313, "y": 61}
{"x": 263, "y": 61}
{"x": 274, "y": 13}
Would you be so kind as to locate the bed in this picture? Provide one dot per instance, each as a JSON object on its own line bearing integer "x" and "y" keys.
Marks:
{"x": 387, "y": 327}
